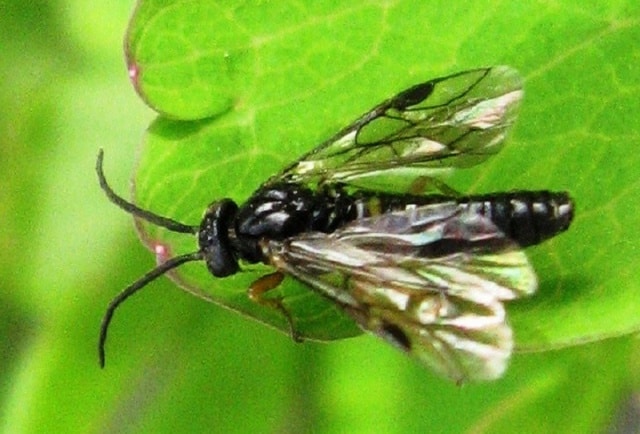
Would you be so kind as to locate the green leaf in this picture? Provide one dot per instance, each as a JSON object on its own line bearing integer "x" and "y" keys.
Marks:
{"x": 300, "y": 83}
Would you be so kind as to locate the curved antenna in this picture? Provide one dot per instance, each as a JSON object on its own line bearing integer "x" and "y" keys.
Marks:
{"x": 133, "y": 288}
{"x": 122, "y": 203}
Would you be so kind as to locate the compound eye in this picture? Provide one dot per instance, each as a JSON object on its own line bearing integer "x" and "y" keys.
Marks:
{"x": 213, "y": 238}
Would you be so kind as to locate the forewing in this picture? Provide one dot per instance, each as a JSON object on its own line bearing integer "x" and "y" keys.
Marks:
{"x": 430, "y": 280}
{"x": 454, "y": 121}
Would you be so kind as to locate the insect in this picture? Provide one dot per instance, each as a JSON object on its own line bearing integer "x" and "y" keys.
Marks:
{"x": 412, "y": 261}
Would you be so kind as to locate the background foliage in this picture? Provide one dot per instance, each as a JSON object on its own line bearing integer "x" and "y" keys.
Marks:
{"x": 260, "y": 86}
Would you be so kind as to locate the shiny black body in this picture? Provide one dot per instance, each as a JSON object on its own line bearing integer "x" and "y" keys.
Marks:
{"x": 390, "y": 272}
{"x": 229, "y": 233}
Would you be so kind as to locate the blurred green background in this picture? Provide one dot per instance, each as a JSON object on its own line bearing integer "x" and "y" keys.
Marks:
{"x": 67, "y": 251}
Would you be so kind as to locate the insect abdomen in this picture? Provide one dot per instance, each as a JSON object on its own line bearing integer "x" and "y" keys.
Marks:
{"x": 527, "y": 217}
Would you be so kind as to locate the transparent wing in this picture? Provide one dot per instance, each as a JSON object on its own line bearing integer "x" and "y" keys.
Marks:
{"x": 430, "y": 280}
{"x": 454, "y": 121}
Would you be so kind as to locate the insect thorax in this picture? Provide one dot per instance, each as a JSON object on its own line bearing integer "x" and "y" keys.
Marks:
{"x": 228, "y": 233}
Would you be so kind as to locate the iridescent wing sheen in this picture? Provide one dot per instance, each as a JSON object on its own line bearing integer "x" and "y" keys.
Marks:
{"x": 431, "y": 280}
{"x": 447, "y": 122}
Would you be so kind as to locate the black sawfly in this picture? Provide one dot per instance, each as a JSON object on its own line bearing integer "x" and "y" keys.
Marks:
{"x": 424, "y": 268}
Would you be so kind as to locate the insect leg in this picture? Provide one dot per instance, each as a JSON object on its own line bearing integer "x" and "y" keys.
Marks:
{"x": 266, "y": 283}
{"x": 423, "y": 184}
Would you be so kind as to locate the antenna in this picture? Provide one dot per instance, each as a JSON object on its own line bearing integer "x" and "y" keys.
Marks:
{"x": 161, "y": 269}
{"x": 133, "y": 288}
{"x": 165, "y": 222}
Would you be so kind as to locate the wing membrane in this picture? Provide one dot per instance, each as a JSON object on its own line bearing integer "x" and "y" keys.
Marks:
{"x": 454, "y": 121}
{"x": 430, "y": 280}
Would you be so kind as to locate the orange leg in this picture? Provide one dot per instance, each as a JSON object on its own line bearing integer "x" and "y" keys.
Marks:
{"x": 266, "y": 283}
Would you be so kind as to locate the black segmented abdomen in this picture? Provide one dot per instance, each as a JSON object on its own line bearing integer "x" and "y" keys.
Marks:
{"x": 527, "y": 217}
